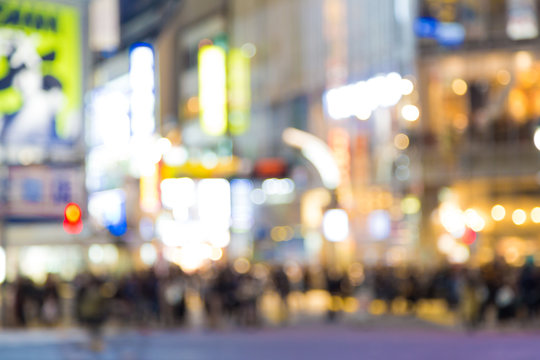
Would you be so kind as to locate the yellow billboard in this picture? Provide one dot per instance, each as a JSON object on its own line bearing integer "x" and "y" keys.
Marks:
{"x": 40, "y": 73}
{"x": 213, "y": 90}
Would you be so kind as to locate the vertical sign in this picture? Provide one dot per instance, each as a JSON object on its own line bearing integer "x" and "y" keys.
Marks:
{"x": 213, "y": 90}
{"x": 239, "y": 91}
{"x": 143, "y": 99}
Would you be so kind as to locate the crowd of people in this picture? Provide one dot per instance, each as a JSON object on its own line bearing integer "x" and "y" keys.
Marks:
{"x": 145, "y": 297}
{"x": 227, "y": 296}
{"x": 498, "y": 290}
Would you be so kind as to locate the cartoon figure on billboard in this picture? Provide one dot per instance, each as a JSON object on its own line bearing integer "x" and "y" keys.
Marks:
{"x": 41, "y": 95}
{"x": 40, "y": 74}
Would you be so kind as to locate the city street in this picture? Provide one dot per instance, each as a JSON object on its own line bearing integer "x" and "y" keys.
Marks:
{"x": 301, "y": 342}
{"x": 269, "y": 179}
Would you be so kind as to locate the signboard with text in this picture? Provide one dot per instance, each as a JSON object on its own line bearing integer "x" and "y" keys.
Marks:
{"x": 41, "y": 192}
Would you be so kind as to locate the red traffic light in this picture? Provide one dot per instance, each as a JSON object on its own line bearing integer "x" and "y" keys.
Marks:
{"x": 73, "y": 219}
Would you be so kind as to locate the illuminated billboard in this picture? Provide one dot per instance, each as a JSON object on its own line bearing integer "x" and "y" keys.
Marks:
{"x": 239, "y": 91}
{"x": 141, "y": 77}
{"x": 40, "y": 73}
{"x": 213, "y": 90}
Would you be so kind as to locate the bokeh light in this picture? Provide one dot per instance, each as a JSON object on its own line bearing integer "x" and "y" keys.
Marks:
{"x": 446, "y": 243}
{"x": 537, "y": 138}
{"x": 241, "y": 265}
{"x": 249, "y": 50}
{"x": 217, "y": 254}
{"x": 96, "y": 253}
{"x": 503, "y": 77}
{"x": 401, "y": 141}
{"x": 379, "y": 224}
{"x": 410, "y": 205}
{"x": 459, "y": 86}
{"x": 474, "y": 220}
{"x": 460, "y": 121}
{"x": 519, "y": 216}
{"x": 452, "y": 219}
{"x": 524, "y": 60}
{"x": 535, "y": 215}
{"x": 410, "y": 112}
{"x": 469, "y": 237}
{"x": 148, "y": 254}
{"x": 336, "y": 225}
{"x": 459, "y": 254}
{"x": 407, "y": 87}
{"x": 498, "y": 212}
{"x": 363, "y": 114}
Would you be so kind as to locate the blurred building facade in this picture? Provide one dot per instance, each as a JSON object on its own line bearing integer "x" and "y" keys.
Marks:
{"x": 421, "y": 113}
{"x": 42, "y": 149}
{"x": 123, "y": 136}
{"x": 478, "y": 83}
{"x": 297, "y": 52}
{"x": 64, "y": 141}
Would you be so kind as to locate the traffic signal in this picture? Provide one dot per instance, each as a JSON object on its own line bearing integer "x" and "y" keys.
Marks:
{"x": 73, "y": 219}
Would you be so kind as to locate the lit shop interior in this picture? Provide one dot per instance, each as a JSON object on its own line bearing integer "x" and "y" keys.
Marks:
{"x": 482, "y": 111}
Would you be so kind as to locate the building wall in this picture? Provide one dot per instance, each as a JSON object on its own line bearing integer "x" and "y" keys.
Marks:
{"x": 479, "y": 143}
{"x": 303, "y": 48}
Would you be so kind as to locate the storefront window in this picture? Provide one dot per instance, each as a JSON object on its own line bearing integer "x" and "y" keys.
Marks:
{"x": 474, "y": 101}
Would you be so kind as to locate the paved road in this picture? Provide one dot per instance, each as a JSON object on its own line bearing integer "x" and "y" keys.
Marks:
{"x": 302, "y": 342}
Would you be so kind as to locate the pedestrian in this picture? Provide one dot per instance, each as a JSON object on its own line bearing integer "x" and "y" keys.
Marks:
{"x": 50, "y": 310}
{"x": 93, "y": 309}
{"x": 23, "y": 294}
{"x": 283, "y": 288}
{"x": 471, "y": 301}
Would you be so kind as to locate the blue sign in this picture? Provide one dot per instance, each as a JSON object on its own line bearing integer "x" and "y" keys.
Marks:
{"x": 426, "y": 27}
{"x": 108, "y": 208}
{"x": 449, "y": 34}
{"x": 118, "y": 227}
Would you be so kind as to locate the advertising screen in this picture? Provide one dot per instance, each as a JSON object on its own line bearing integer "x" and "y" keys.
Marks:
{"x": 40, "y": 74}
